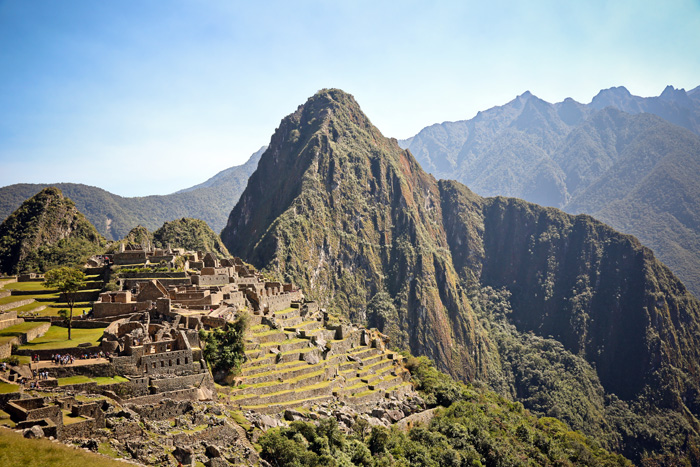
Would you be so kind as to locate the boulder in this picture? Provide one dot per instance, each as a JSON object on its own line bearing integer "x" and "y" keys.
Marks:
{"x": 33, "y": 432}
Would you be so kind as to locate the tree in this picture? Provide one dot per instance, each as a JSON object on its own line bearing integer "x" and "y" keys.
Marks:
{"x": 67, "y": 281}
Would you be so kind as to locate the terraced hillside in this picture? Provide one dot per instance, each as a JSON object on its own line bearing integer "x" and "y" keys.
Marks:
{"x": 297, "y": 358}
{"x": 31, "y": 299}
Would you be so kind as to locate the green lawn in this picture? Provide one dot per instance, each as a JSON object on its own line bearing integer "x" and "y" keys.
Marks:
{"x": 6, "y": 388}
{"x": 13, "y": 298}
{"x": 100, "y": 380}
{"x": 26, "y": 286}
{"x": 5, "y": 419}
{"x": 17, "y": 330}
{"x": 57, "y": 338}
{"x": 16, "y": 451}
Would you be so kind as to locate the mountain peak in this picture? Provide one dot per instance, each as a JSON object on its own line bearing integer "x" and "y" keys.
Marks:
{"x": 609, "y": 96}
{"x": 671, "y": 93}
{"x": 46, "y": 230}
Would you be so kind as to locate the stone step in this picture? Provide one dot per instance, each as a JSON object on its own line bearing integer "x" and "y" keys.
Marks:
{"x": 374, "y": 367}
{"x": 368, "y": 396}
{"x": 269, "y": 336}
{"x": 372, "y": 359}
{"x": 290, "y": 322}
{"x": 274, "y": 386}
{"x": 288, "y": 313}
{"x": 293, "y": 355}
{"x": 355, "y": 387}
{"x": 262, "y": 363}
{"x": 285, "y": 372}
{"x": 306, "y": 326}
{"x": 267, "y": 364}
{"x": 386, "y": 383}
{"x": 304, "y": 392}
{"x": 280, "y": 407}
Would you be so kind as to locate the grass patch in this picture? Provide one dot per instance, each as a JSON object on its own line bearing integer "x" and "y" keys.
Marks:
{"x": 69, "y": 419}
{"x": 6, "y": 388}
{"x": 16, "y": 451}
{"x": 106, "y": 449}
{"x": 57, "y": 338}
{"x": 100, "y": 380}
{"x": 27, "y": 286}
{"x": 79, "y": 379}
{"x": 13, "y": 298}
{"x": 29, "y": 307}
{"x": 19, "y": 329}
{"x": 238, "y": 417}
{"x": 6, "y": 420}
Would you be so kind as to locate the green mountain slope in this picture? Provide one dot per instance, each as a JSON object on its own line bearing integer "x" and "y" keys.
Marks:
{"x": 114, "y": 216}
{"x": 588, "y": 159}
{"x": 190, "y": 234}
{"x": 354, "y": 215}
{"x": 46, "y": 230}
{"x": 559, "y": 311}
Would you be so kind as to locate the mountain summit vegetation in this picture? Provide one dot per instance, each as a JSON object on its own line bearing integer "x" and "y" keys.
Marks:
{"x": 561, "y": 312}
{"x": 629, "y": 161}
{"x": 47, "y": 230}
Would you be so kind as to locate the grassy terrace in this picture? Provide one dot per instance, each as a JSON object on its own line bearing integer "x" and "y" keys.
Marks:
{"x": 6, "y": 388}
{"x": 27, "y": 286}
{"x": 17, "y": 330}
{"x": 46, "y": 298}
{"x": 100, "y": 380}
{"x": 16, "y": 451}
{"x": 57, "y": 338}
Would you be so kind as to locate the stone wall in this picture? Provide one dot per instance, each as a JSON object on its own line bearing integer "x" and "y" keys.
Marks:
{"x": 277, "y": 302}
{"x": 6, "y": 350}
{"x": 17, "y": 304}
{"x": 84, "y": 429}
{"x": 189, "y": 394}
{"x": 111, "y": 309}
{"x": 131, "y": 283}
{"x": 32, "y": 334}
{"x": 174, "y": 361}
{"x": 163, "y": 409}
{"x": 181, "y": 382}
{"x": 215, "y": 279}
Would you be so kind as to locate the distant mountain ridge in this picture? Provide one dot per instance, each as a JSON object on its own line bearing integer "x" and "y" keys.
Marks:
{"x": 622, "y": 158}
{"x": 114, "y": 216}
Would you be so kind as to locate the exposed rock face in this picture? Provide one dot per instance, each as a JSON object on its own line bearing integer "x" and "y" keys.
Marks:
{"x": 46, "y": 230}
{"x": 344, "y": 212}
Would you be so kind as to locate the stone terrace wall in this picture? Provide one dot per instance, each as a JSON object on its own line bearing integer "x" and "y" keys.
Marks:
{"x": 188, "y": 394}
{"x": 278, "y": 302}
{"x": 111, "y": 309}
{"x": 216, "y": 279}
{"x": 164, "y": 409}
{"x": 9, "y": 306}
{"x": 173, "y": 384}
{"x": 168, "y": 362}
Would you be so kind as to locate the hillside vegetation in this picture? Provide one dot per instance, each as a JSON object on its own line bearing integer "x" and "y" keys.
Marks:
{"x": 47, "y": 230}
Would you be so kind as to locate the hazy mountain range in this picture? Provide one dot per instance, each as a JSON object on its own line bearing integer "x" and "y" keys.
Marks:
{"x": 114, "y": 216}
{"x": 629, "y": 161}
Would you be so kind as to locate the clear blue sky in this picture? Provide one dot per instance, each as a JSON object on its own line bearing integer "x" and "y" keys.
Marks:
{"x": 148, "y": 97}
